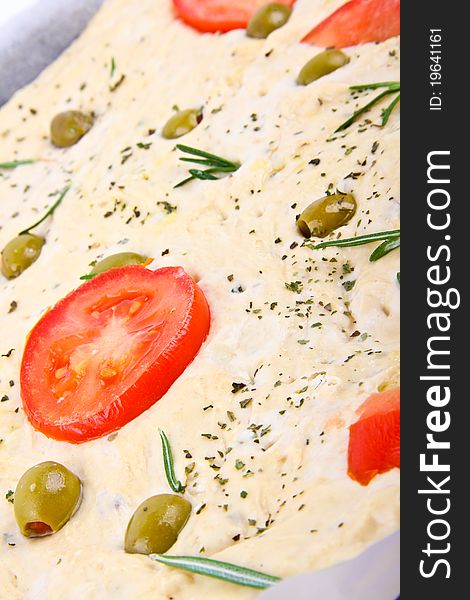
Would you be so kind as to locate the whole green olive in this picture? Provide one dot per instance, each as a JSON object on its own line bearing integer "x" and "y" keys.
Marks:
{"x": 121, "y": 259}
{"x": 182, "y": 123}
{"x": 68, "y": 127}
{"x": 326, "y": 214}
{"x": 20, "y": 253}
{"x": 322, "y": 64}
{"x": 155, "y": 525}
{"x": 46, "y": 497}
{"x": 268, "y": 18}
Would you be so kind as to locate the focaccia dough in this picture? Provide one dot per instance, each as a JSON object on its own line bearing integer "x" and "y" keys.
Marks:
{"x": 238, "y": 238}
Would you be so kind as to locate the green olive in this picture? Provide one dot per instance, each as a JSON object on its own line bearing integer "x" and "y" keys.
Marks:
{"x": 322, "y": 64}
{"x": 326, "y": 214}
{"x": 68, "y": 127}
{"x": 182, "y": 123}
{"x": 267, "y": 19}
{"x": 155, "y": 525}
{"x": 46, "y": 497}
{"x": 20, "y": 253}
{"x": 118, "y": 260}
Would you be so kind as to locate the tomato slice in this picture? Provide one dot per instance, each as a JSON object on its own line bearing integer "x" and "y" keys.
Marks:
{"x": 374, "y": 440}
{"x": 109, "y": 350}
{"x": 219, "y": 15}
{"x": 357, "y": 22}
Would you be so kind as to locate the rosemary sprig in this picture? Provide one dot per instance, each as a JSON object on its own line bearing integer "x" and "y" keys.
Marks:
{"x": 359, "y": 240}
{"x": 215, "y": 164}
{"x": 16, "y": 163}
{"x": 175, "y": 485}
{"x": 391, "y": 87}
{"x": 390, "y": 240}
{"x": 200, "y": 161}
{"x": 211, "y": 157}
{"x": 49, "y": 211}
{"x": 219, "y": 570}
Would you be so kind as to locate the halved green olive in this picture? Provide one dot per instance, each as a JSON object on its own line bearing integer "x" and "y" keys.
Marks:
{"x": 20, "y": 253}
{"x": 326, "y": 214}
{"x": 268, "y": 18}
{"x": 322, "y": 64}
{"x": 155, "y": 525}
{"x": 68, "y": 127}
{"x": 121, "y": 259}
{"x": 46, "y": 497}
{"x": 182, "y": 123}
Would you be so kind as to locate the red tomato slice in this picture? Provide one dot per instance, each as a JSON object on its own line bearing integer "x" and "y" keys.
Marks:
{"x": 220, "y": 15}
{"x": 374, "y": 440}
{"x": 109, "y": 350}
{"x": 357, "y": 22}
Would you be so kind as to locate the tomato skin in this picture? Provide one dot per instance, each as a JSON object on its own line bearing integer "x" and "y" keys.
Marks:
{"x": 374, "y": 440}
{"x": 212, "y": 16}
{"x": 357, "y": 22}
{"x": 139, "y": 394}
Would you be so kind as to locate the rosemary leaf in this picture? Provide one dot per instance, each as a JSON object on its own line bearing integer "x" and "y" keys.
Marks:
{"x": 181, "y": 183}
{"x": 89, "y": 276}
{"x": 388, "y": 111}
{"x": 218, "y": 569}
{"x": 204, "y": 161}
{"x": 208, "y": 174}
{"x": 175, "y": 485}
{"x": 392, "y": 85}
{"x": 385, "y": 248}
{"x": 360, "y": 239}
{"x": 49, "y": 212}
{"x": 113, "y": 65}
{"x": 16, "y": 163}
